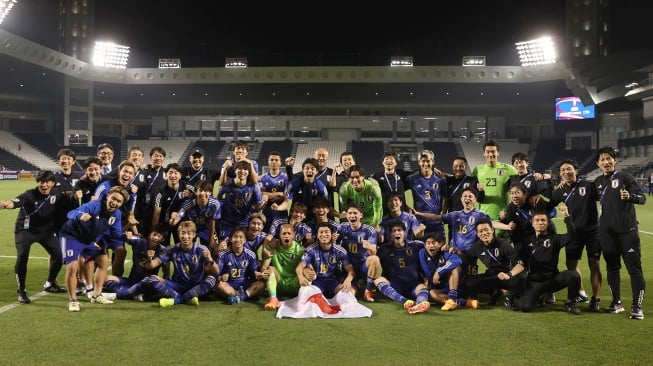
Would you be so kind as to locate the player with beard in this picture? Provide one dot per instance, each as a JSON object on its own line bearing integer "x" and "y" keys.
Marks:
{"x": 359, "y": 240}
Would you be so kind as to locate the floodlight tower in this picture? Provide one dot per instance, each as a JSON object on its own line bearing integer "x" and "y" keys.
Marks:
{"x": 539, "y": 51}
{"x": 5, "y": 8}
{"x": 111, "y": 55}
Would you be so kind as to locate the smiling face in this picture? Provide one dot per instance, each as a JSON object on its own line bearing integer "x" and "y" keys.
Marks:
{"x": 154, "y": 239}
{"x": 66, "y": 163}
{"x": 491, "y": 154}
{"x": 606, "y": 163}
{"x": 173, "y": 176}
{"x": 468, "y": 200}
{"x": 126, "y": 175}
{"x": 156, "y": 160}
{"x": 347, "y": 161}
{"x": 255, "y": 226}
{"x": 186, "y": 237}
{"x": 521, "y": 166}
{"x": 136, "y": 157}
{"x": 196, "y": 161}
{"x": 105, "y": 155}
{"x": 517, "y": 196}
{"x": 45, "y": 186}
{"x": 458, "y": 168}
{"x": 240, "y": 153}
{"x": 432, "y": 246}
{"x": 93, "y": 172}
{"x": 241, "y": 176}
{"x": 309, "y": 173}
{"x": 540, "y": 223}
{"x": 324, "y": 237}
{"x": 485, "y": 233}
{"x": 398, "y": 235}
{"x": 114, "y": 201}
{"x": 357, "y": 180}
{"x": 389, "y": 164}
{"x": 425, "y": 166}
{"x": 354, "y": 215}
{"x": 322, "y": 157}
{"x": 202, "y": 197}
{"x": 568, "y": 173}
{"x": 238, "y": 240}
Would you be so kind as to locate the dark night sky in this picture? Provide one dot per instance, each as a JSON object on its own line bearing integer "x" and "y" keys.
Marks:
{"x": 205, "y": 32}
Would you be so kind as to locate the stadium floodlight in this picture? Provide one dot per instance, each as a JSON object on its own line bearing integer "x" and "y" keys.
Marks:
{"x": 539, "y": 51}
{"x": 235, "y": 62}
{"x": 109, "y": 54}
{"x": 401, "y": 61}
{"x": 473, "y": 60}
{"x": 5, "y": 8}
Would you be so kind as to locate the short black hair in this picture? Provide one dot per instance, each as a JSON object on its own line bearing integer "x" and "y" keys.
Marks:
{"x": 606, "y": 150}
{"x": 45, "y": 176}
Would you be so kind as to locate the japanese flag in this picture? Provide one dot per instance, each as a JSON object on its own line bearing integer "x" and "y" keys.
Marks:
{"x": 311, "y": 303}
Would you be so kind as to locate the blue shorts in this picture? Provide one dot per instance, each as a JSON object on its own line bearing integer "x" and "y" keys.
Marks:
{"x": 360, "y": 273}
{"x": 327, "y": 285}
{"x": 71, "y": 248}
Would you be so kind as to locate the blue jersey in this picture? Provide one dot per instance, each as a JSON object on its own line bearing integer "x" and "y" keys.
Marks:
{"x": 352, "y": 240}
{"x": 428, "y": 196}
{"x": 240, "y": 267}
{"x": 103, "y": 226}
{"x": 103, "y": 189}
{"x": 301, "y": 230}
{"x": 326, "y": 263}
{"x": 298, "y": 191}
{"x": 201, "y": 215}
{"x": 442, "y": 263}
{"x": 463, "y": 228}
{"x": 278, "y": 183}
{"x": 188, "y": 266}
{"x": 402, "y": 265}
{"x": 140, "y": 259}
{"x": 255, "y": 243}
{"x": 238, "y": 202}
{"x": 407, "y": 218}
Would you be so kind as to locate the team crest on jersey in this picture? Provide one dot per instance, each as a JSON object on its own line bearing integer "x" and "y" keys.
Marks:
{"x": 74, "y": 182}
{"x": 53, "y": 199}
{"x": 527, "y": 184}
{"x": 496, "y": 252}
{"x": 435, "y": 186}
{"x": 472, "y": 220}
{"x": 112, "y": 220}
{"x": 248, "y": 195}
{"x": 582, "y": 191}
{"x": 332, "y": 259}
{"x": 244, "y": 263}
{"x": 500, "y": 172}
{"x": 547, "y": 243}
{"x": 314, "y": 192}
{"x": 202, "y": 176}
{"x": 141, "y": 178}
{"x": 614, "y": 183}
{"x": 465, "y": 185}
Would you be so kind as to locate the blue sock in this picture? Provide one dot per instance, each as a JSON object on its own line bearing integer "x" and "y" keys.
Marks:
{"x": 198, "y": 290}
{"x": 388, "y": 291}
{"x": 422, "y": 296}
{"x": 369, "y": 284}
{"x": 163, "y": 290}
{"x": 453, "y": 294}
{"x": 136, "y": 288}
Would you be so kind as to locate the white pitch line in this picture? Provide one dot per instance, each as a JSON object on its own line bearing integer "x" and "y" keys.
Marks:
{"x": 646, "y": 232}
{"x": 16, "y": 304}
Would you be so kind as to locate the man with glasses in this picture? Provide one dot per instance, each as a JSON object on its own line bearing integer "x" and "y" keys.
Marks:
{"x": 105, "y": 154}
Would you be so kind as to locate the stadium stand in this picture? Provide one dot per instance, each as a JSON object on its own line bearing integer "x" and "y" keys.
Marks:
{"x": 176, "y": 150}
{"x": 212, "y": 150}
{"x": 307, "y": 150}
{"x": 474, "y": 151}
{"x": 16, "y": 146}
{"x": 42, "y": 142}
{"x": 445, "y": 152}
{"x": 13, "y": 162}
{"x": 549, "y": 153}
{"x": 368, "y": 154}
{"x": 284, "y": 147}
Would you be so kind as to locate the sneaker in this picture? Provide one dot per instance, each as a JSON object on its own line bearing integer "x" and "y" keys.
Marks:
{"x": 422, "y": 307}
{"x": 22, "y": 297}
{"x": 550, "y": 298}
{"x": 594, "y": 304}
{"x": 233, "y": 300}
{"x": 472, "y": 303}
{"x": 73, "y": 306}
{"x": 615, "y": 307}
{"x": 193, "y": 301}
{"x": 409, "y": 304}
{"x": 81, "y": 289}
{"x": 166, "y": 302}
{"x": 570, "y": 307}
{"x": 636, "y": 313}
{"x": 53, "y": 288}
{"x": 581, "y": 298}
{"x": 449, "y": 305}
{"x": 509, "y": 303}
{"x": 100, "y": 300}
{"x": 368, "y": 296}
{"x": 273, "y": 304}
{"x": 139, "y": 298}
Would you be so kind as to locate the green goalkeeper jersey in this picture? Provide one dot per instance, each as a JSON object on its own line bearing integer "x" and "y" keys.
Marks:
{"x": 286, "y": 260}
{"x": 495, "y": 182}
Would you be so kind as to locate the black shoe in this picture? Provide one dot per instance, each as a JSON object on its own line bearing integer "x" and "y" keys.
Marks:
{"x": 54, "y": 289}
{"x": 510, "y": 304}
{"x": 581, "y": 298}
{"x": 594, "y": 304}
{"x": 570, "y": 307}
{"x": 22, "y": 297}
